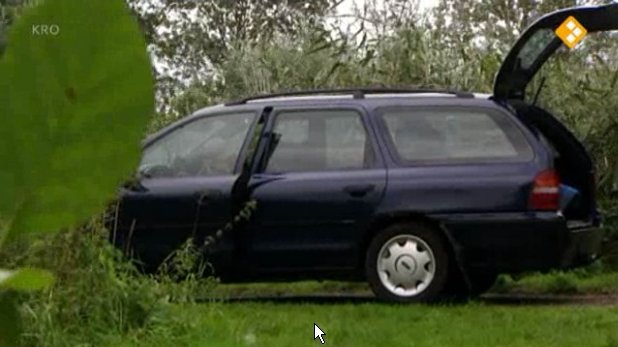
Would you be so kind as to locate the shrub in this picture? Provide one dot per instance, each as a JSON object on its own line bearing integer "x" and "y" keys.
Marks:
{"x": 98, "y": 294}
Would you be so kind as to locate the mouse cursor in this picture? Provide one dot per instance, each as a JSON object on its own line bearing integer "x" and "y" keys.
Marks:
{"x": 317, "y": 332}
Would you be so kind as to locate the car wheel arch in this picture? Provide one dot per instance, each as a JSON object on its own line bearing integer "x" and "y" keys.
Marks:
{"x": 455, "y": 252}
{"x": 383, "y": 221}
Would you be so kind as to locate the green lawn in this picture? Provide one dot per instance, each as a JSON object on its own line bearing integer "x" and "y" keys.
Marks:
{"x": 572, "y": 282}
{"x": 289, "y": 288}
{"x": 365, "y": 322}
{"x": 561, "y": 283}
{"x": 275, "y": 324}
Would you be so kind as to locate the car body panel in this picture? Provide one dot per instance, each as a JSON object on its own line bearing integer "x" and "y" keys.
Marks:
{"x": 159, "y": 217}
{"x": 307, "y": 221}
{"x": 514, "y": 242}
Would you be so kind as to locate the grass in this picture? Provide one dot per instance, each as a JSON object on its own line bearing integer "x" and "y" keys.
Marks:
{"x": 573, "y": 282}
{"x": 375, "y": 324}
{"x": 100, "y": 300}
{"x": 288, "y": 288}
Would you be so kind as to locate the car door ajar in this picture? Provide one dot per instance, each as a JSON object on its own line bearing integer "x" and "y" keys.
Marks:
{"x": 187, "y": 175}
{"x": 317, "y": 192}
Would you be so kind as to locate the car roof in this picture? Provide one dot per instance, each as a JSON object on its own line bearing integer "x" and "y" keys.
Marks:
{"x": 342, "y": 98}
{"x": 369, "y": 99}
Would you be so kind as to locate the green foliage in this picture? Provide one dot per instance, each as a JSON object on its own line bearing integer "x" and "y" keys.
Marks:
{"x": 591, "y": 280}
{"x": 191, "y": 37}
{"x": 243, "y": 216}
{"x": 74, "y": 107}
{"x": 563, "y": 283}
{"x": 25, "y": 279}
{"x": 75, "y": 99}
{"x": 99, "y": 296}
{"x": 94, "y": 288}
{"x": 9, "y": 11}
{"x": 361, "y": 323}
{"x": 9, "y": 319}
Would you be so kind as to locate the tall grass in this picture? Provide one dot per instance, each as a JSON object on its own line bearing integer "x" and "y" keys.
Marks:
{"x": 99, "y": 296}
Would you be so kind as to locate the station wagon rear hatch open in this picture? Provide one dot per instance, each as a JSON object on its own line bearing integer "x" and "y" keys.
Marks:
{"x": 539, "y": 42}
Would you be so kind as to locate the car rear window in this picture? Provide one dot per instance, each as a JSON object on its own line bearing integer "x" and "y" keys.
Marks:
{"x": 454, "y": 134}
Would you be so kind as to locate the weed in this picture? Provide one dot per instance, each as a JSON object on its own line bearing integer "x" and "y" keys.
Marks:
{"x": 563, "y": 283}
{"x": 98, "y": 293}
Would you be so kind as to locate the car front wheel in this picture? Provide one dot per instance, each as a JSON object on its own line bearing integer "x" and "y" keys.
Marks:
{"x": 407, "y": 263}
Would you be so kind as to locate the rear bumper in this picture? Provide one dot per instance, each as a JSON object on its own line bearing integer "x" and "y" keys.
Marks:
{"x": 518, "y": 242}
{"x": 583, "y": 244}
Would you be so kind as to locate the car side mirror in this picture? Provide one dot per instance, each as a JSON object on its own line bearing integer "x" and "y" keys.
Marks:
{"x": 153, "y": 171}
{"x": 134, "y": 184}
{"x": 146, "y": 172}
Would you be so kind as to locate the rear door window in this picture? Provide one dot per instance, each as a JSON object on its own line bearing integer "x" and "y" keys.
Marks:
{"x": 454, "y": 135}
{"x": 320, "y": 140}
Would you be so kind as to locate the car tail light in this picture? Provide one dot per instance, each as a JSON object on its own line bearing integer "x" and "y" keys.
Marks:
{"x": 545, "y": 194}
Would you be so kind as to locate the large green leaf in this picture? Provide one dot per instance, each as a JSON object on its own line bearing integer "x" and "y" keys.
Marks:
{"x": 26, "y": 279}
{"x": 75, "y": 93}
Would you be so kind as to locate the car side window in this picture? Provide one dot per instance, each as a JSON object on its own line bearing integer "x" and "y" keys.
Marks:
{"x": 207, "y": 146}
{"x": 454, "y": 135}
{"x": 320, "y": 140}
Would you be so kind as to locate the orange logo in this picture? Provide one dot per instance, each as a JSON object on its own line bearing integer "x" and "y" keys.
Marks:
{"x": 571, "y": 32}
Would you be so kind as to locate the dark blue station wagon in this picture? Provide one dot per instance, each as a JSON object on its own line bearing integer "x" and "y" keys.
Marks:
{"x": 420, "y": 193}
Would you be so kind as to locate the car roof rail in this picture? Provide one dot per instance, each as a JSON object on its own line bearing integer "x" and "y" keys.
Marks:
{"x": 357, "y": 93}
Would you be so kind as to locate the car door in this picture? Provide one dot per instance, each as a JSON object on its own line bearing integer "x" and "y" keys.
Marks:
{"x": 317, "y": 192}
{"x": 539, "y": 41}
{"x": 187, "y": 174}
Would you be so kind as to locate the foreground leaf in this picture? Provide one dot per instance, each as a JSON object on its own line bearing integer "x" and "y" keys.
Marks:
{"x": 75, "y": 101}
{"x": 26, "y": 279}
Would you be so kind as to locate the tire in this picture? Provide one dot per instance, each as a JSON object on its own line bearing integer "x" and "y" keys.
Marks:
{"x": 404, "y": 278}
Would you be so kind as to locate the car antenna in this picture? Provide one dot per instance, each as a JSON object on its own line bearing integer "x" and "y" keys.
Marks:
{"x": 538, "y": 91}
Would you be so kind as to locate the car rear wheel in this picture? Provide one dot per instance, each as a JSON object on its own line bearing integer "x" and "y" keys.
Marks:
{"x": 407, "y": 263}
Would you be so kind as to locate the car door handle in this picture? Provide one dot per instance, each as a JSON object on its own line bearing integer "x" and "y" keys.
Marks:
{"x": 359, "y": 190}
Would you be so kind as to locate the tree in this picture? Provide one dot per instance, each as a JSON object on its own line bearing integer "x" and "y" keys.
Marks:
{"x": 190, "y": 38}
